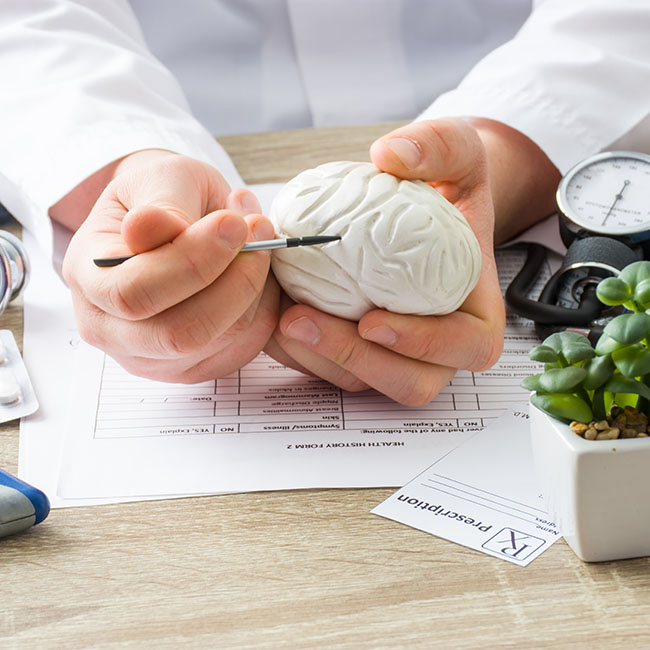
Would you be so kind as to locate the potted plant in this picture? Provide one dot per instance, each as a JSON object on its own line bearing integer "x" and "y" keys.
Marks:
{"x": 589, "y": 426}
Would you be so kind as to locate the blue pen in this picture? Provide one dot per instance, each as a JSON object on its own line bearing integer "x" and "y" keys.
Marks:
{"x": 21, "y": 505}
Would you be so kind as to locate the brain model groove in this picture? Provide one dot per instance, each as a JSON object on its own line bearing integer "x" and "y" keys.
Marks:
{"x": 404, "y": 247}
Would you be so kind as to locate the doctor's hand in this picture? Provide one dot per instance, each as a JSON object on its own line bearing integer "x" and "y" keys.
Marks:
{"x": 187, "y": 307}
{"x": 411, "y": 358}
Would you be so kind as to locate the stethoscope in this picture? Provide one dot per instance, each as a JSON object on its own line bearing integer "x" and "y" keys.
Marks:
{"x": 14, "y": 268}
{"x": 604, "y": 219}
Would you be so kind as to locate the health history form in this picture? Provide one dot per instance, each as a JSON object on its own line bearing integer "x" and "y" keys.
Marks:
{"x": 269, "y": 427}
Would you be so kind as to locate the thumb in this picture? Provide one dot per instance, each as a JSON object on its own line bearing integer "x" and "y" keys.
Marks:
{"x": 446, "y": 150}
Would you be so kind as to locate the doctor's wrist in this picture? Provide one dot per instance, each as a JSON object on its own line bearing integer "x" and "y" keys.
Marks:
{"x": 523, "y": 180}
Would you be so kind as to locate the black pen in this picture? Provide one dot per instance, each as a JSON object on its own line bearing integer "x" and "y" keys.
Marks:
{"x": 266, "y": 245}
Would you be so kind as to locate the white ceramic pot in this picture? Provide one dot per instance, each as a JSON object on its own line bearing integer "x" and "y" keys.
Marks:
{"x": 596, "y": 491}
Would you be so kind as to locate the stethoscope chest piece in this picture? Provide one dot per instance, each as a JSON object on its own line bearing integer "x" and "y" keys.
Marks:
{"x": 15, "y": 268}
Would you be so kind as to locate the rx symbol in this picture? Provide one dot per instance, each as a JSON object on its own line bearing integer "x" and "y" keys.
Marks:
{"x": 514, "y": 543}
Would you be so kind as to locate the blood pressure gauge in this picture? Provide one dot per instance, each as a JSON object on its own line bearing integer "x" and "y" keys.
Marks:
{"x": 607, "y": 194}
{"x": 604, "y": 207}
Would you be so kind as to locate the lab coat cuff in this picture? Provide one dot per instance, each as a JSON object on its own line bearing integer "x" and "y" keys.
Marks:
{"x": 551, "y": 125}
{"x": 94, "y": 147}
{"x": 89, "y": 150}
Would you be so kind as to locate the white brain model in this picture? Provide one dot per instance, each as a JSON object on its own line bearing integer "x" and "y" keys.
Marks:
{"x": 404, "y": 247}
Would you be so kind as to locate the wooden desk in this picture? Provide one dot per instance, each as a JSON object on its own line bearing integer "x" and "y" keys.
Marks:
{"x": 305, "y": 569}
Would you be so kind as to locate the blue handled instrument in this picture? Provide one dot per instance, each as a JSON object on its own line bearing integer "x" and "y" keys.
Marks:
{"x": 21, "y": 505}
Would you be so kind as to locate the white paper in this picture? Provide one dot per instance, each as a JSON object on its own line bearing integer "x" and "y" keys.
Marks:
{"x": 48, "y": 341}
{"x": 483, "y": 495}
{"x": 264, "y": 427}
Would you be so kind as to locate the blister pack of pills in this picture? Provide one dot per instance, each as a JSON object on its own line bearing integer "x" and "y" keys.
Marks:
{"x": 17, "y": 396}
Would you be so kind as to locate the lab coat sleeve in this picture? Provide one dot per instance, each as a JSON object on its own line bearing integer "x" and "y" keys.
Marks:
{"x": 575, "y": 79}
{"x": 79, "y": 90}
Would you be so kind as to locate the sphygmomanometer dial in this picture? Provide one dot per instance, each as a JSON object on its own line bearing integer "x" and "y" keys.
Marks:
{"x": 606, "y": 194}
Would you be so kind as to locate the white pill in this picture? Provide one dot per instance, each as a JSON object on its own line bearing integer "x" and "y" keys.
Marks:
{"x": 9, "y": 387}
{"x": 404, "y": 247}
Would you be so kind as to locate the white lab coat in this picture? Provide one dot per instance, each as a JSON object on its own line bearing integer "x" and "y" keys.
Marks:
{"x": 85, "y": 82}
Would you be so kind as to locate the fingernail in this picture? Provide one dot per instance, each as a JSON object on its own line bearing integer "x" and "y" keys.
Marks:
{"x": 408, "y": 151}
{"x": 233, "y": 231}
{"x": 262, "y": 230}
{"x": 381, "y": 334}
{"x": 248, "y": 204}
{"x": 304, "y": 330}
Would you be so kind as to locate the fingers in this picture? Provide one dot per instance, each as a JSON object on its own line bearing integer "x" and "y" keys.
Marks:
{"x": 296, "y": 355}
{"x": 186, "y": 325}
{"x": 458, "y": 340}
{"x": 408, "y": 358}
{"x": 321, "y": 340}
{"x": 287, "y": 351}
{"x": 158, "y": 279}
{"x": 441, "y": 151}
{"x": 147, "y": 227}
{"x": 243, "y": 202}
{"x": 172, "y": 359}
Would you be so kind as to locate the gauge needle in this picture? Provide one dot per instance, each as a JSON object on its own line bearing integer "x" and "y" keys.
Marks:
{"x": 617, "y": 198}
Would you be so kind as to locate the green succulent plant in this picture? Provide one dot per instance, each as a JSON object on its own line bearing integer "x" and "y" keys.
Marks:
{"x": 581, "y": 382}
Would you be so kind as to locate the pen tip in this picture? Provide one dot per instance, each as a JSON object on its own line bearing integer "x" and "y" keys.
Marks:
{"x": 105, "y": 262}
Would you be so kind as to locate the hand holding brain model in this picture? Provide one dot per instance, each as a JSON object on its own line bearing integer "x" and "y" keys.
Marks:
{"x": 411, "y": 292}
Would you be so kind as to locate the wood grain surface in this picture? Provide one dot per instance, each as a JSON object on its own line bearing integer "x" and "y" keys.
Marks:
{"x": 299, "y": 569}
